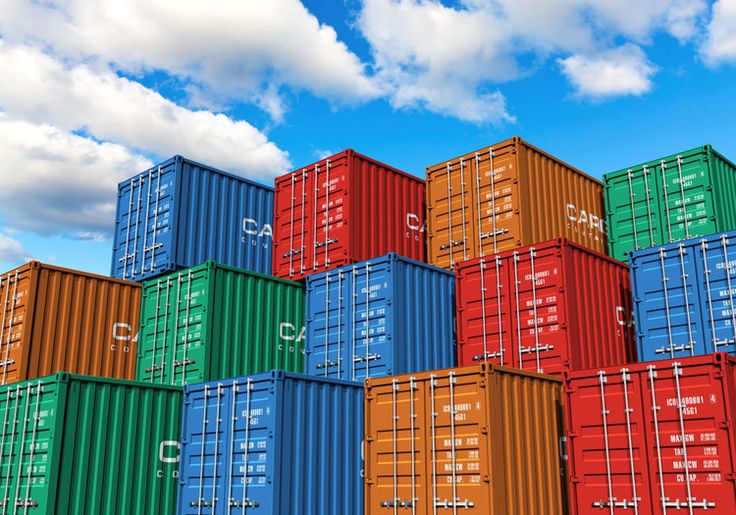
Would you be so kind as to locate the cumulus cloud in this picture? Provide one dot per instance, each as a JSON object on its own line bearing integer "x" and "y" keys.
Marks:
{"x": 720, "y": 44}
{"x": 11, "y": 250}
{"x": 113, "y": 108}
{"x": 621, "y": 71}
{"x": 58, "y": 183}
{"x": 230, "y": 49}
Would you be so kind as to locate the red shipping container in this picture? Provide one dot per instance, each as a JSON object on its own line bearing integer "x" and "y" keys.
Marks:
{"x": 575, "y": 314}
{"x": 654, "y": 437}
{"x": 343, "y": 209}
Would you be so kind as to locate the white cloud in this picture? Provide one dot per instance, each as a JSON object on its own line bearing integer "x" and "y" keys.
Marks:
{"x": 720, "y": 44}
{"x": 55, "y": 182}
{"x": 11, "y": 250}
{"x": 450, "y": 59}
{"x": 621, "y": 71}
{"x": 112, "y": 108}
{"x": 231, "y": 49}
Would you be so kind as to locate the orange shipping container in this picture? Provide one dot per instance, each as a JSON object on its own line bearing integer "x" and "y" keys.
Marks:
{"x": 481, "y": 439}
{"x": 530, "y": 197}
{"x": 60, "y": 320}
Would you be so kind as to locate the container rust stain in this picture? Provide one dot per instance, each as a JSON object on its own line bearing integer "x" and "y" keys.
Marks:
{"x": 478, "y": 439}
{"x": 509, "y": 195}
{"x": 55, "y": 319}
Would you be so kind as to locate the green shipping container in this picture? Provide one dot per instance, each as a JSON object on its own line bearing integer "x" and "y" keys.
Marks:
{"x": 213, "y": 321}
{"x": 674, "y": 198}
{"x": 80, "y": 444}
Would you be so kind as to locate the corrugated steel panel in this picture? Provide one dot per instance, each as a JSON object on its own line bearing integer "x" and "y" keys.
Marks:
{"x": 653, "y": 438}
{"x": 648, "y": 204}
{"x": 384, "y": 316}
{"x": 181, "y": 213}
{"x": 530, "y": 197}
{"x": 214, "y": 321}
{"x": 368, "y": 209}
{"x": 275, "y": 443}
{"x": 54, "y": 319}
{"x": 550, "y": 307}
{"x": 78, "y": 444}
{"x": 479, "y": 439}
{"x": 684, "y": 296}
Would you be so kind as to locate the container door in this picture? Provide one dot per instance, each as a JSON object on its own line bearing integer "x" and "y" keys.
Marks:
{"x": 456, "y": 440}
{"x": 397, "y": 452}
{"x": 370, "y": 349}
{"x": 633, "y": 205}
{"x": 144, "y": 225}
{"x": 484, "y": 324}
{"x": 15, "y": 322}
{"x": 329, "y": 339}
{"x": 496, "y": 197}
{"x": 311, "y": 219}
{"x": 666, "y": 303}
{"x": 688, "y": 208}
{"x": 609, "y": 469}
{"x": 717, "y": 279}
{"x": 172, "y": 342}
{"x": 29, "y": 413}
{"x": 689, "y": 447}
{"x": 453, "y": 213}
{"x": 539, "y": 334}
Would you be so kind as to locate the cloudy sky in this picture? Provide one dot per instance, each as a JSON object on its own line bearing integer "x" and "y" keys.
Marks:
{"x": 92, "y": 92}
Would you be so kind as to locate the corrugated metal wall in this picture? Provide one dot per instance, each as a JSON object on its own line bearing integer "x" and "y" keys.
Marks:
{"x": 294, "y": 441}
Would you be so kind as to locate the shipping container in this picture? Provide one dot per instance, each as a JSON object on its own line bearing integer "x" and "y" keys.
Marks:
{"x": 550, "y": 307}
{"x": 481, "y": 439}
{"x": 530, "y": 197}
{"x": 80, "y": 444}
{"x": 385, "y": 316}
{"x": 653, "y": 438}
{"x": 212, "y": 321}
{"x": 343, "y": 209}
{"x": 54, "y": 319}
{"x": 684, "y": 297}
{"x": 181, "y": 213}
{"x": 669, "y": 199}
{"x": 276, "y": 443}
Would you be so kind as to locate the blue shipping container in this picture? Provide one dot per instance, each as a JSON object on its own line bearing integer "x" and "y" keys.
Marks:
{"x": 684, "y": 297}
{"x": 180, "y": 214}
{"x": 386, "y": 316}
{"x": 294, "y": 441}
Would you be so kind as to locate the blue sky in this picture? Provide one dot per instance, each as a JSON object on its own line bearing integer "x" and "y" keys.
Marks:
{"x": 100, "y": 92}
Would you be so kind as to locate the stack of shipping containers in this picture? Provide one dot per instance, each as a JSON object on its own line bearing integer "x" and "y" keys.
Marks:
{"x": 511, "y": 336}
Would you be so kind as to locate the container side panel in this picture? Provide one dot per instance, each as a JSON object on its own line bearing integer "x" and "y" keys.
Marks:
{"x": 145, "y": 225}
{"x": 389, "y": 209}
{"x": 666, "y": 302}
{"x": 120, "y": 452}
{"x": 599, "y": 306}
{"x": 723, "y": 173}
{"x": 608, "y": 450}
{"x": 224, "y": 219}
{"x": 526, "y": 426}
{"x": 83, "y": 324}
{"x": 16, "y": 322}
{"x": 321, "y": 430}
{"x": 28, "y": 411}
{"x": 692, "y": 446}
{"x": 424, "y": 320}
{"x": 559, "y": 201}
{"x": 173, "y": 338}
{"x": 312, "y": 218}
{"x": 257, "y": 324}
